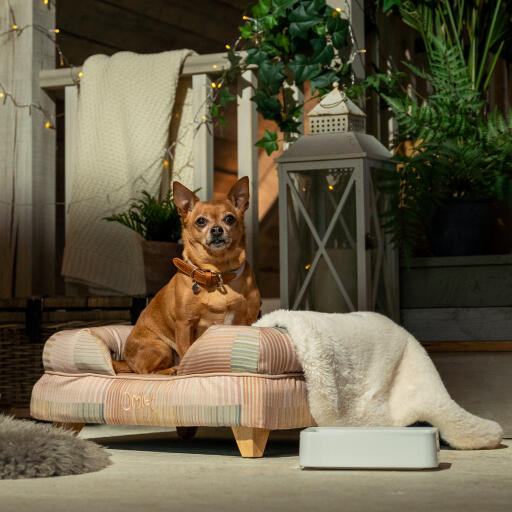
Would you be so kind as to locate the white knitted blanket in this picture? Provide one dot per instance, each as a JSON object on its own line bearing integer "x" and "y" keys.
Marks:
{"x": 129, "y": 107}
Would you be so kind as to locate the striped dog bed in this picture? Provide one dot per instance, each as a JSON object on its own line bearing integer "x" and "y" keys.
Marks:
{"x": 232, "y": 376}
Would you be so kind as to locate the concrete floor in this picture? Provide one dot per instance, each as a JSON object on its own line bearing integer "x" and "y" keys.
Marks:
{"x": 158, "y": 472}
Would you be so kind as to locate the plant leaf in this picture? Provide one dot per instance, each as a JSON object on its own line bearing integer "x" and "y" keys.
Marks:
{"x": 323, "y": 52}
{"x": 268, "y": 142}
{"x": 214, "y": 110}
{"x": 270, "y": 75}
{"x": 324, "y": 80}
{"x": 225, "y": 96}
{"x": 246, "y": 31}
{"x": 256, "y": 55}
{"x": 301, "y": 22}
{"x": 261, "y": 8}
{"x": 303, "y": 68}
{"x": 268, "y": 106}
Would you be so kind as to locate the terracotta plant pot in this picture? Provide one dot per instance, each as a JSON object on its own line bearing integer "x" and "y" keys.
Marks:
{"x": 158, "y": 265}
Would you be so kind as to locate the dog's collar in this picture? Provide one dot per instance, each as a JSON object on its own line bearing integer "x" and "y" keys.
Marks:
{"x": 204, "y": 277}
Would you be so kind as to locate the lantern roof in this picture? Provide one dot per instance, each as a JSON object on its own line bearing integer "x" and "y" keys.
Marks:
{"x": 335, "y": 146}
{"x": 336, "y": 103}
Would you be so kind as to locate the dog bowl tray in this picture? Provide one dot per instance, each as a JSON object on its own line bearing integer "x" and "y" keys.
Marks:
{"x": 369, "y": 447}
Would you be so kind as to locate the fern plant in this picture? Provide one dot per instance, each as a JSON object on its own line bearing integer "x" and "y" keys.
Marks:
{"x": 455, "y": 150}
{"x": 153, "y": 219}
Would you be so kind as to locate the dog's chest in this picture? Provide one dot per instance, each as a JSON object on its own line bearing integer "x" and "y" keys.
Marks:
{"x": 223, "y": 308}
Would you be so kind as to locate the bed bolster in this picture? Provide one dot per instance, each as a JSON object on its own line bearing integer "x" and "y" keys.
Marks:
{"x": 87, "y": 350}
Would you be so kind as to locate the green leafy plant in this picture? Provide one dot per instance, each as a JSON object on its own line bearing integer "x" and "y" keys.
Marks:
{"x": 153, "y": 219}
{"x": 455, "y": 151}
{"x": 291, "y": 42}
{"x": 476, "y": 29}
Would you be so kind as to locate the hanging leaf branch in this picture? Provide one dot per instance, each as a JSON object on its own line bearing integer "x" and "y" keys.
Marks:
{"x": 291, "y": 42}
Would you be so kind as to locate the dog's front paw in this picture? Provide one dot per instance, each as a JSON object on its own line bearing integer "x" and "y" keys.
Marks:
{"x": 168, "y": 371}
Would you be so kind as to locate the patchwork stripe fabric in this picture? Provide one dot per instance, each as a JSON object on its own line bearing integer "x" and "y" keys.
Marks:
{"x": 77, "y": 351}
{"x": 272, "y": 402}
{"x": 241, "y": 349}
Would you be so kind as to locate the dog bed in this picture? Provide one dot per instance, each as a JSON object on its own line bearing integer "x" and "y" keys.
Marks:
{"x": 247, "y": 378}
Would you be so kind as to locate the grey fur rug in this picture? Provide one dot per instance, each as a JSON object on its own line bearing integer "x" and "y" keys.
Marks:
{"x": 37, "y": 450}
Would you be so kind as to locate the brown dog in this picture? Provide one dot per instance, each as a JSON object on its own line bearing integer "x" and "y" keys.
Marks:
{"x": 214, "y": 283}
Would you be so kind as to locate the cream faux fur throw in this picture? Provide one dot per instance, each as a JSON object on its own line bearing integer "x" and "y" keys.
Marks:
{"x": 362, "y": 369}
{"x": 130, "y": 108}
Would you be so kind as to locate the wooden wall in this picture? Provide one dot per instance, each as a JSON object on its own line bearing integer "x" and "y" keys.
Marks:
{"x": 89, "y": 27}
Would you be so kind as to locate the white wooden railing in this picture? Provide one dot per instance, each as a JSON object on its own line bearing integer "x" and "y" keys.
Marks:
{"x": 200, "y": 68}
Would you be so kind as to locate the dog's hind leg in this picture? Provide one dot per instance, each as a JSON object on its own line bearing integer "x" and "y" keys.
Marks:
{"x": 148, "y": 356}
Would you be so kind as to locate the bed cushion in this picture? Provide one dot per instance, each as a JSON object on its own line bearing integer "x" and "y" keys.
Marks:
{"x": 241, "y": 349}
{"x": 263, "y": 401}
{"x": 221, "y": 349}
{"x": 88, "y": 350}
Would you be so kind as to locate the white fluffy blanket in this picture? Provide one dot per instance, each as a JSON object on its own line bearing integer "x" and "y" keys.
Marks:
{"x": 362, "y": 369}
{"x": 125, "y": 121}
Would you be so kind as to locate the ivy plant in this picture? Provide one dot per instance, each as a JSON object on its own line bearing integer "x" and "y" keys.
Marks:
{"x": 291, "y": 42}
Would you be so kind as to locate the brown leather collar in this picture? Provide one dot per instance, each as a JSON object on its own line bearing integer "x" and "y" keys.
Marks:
{"x": 206, "y": 278}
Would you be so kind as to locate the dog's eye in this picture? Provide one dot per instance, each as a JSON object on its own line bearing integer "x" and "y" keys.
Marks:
{"x": 200, "y": 221}
{"x": 229, "y": 219}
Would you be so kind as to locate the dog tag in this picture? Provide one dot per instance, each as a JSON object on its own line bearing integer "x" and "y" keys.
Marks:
{"x": 195, "y": 287}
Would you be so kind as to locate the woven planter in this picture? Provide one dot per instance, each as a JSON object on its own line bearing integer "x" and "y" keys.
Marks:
{"x": 158, "y": 266}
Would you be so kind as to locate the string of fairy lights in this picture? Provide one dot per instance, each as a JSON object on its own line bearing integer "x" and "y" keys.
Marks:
{"x": 17, "y": 30}
{"x": 167, "y": 154}
{"x": 165, "y": 158}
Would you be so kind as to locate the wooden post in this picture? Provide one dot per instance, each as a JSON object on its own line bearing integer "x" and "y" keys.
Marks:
{"x": 27, "y": 152}
{"x": 354, "y": 11}
{"x": 247, "y": 126}
{"x": 203, "y": 140}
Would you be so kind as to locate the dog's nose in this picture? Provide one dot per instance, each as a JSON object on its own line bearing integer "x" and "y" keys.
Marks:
{"x": 216, "y": 230}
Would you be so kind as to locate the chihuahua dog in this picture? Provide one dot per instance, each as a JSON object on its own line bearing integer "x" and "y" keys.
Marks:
{"x": 214, "y": 284}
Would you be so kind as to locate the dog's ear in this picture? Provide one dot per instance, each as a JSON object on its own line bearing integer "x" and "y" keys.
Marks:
{"x": 183, "y": 198}
{"x": 239, "y": 194}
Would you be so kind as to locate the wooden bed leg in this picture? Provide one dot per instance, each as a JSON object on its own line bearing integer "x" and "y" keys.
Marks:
{"x": 251, "y": 441}
{"x": 74, "y": 427}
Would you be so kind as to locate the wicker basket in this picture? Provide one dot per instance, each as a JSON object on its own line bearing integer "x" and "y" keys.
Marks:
{"x": 26, "y": 324}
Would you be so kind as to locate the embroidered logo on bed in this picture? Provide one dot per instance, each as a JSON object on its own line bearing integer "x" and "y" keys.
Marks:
{"x": 246, "y": 351}
{"x": 130, "y": 401}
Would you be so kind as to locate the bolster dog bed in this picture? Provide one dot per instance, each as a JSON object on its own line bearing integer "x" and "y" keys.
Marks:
{"x": 247, "y": 378}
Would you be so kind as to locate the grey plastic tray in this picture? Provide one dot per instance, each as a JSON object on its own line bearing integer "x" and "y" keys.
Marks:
{"x": 369, "y": 447}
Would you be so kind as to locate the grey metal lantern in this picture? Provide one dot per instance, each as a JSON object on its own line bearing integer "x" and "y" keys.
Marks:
{"x": 334, "y": 256}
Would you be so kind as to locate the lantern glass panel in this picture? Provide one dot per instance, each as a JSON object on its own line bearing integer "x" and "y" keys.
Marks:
{"x": 322, "y": 266}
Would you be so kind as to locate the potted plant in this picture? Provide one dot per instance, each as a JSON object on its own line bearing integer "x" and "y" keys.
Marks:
{"x": 159, "y": 224}
{"x": 457, "y": 164}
